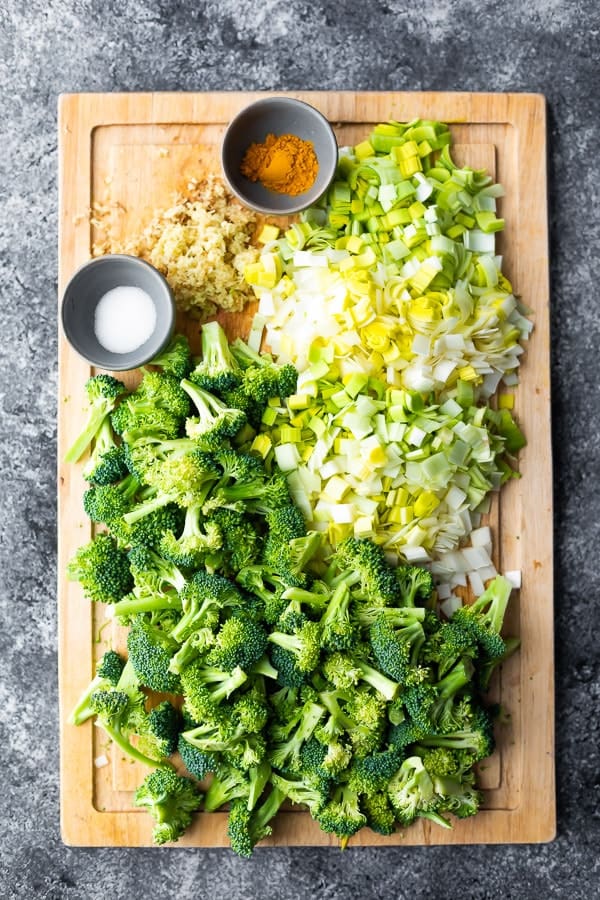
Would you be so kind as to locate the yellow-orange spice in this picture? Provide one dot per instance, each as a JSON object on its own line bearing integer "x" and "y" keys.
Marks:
{"x": 286, "y": 164}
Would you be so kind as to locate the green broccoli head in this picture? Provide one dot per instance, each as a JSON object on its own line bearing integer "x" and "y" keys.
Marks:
{"x": 150, "y": 650}
{"x": 199, "y": 763}
{"x": 107, "y": 463}
{"x": 416, "y": 583}
{"x": 176, "y": 358}
{"x": 342, "y": 815}
{"x": 163, "y": 725}
{"x": 103, "y": 393}
{"x": 218, "y": 370}
{"x": 483, "y": 619}
{"x": 102, "y": 569}
{"x": 171, "y": 800}
{"x": 109, "y": 502}
{"x": 239, "y": 642}
{"x": 214, "y": 422}
{"x": 367, "y": 561}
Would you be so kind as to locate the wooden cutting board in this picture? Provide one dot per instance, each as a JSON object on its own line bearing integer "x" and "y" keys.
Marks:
{"x": 128, "y": 154}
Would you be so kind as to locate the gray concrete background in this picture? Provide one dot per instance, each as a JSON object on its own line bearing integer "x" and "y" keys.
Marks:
{"x": 50, "y": 46}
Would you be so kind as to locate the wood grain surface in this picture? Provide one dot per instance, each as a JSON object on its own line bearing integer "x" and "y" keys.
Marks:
{"x": 129, "y": 153}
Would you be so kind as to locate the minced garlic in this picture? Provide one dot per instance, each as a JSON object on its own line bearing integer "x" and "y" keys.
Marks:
{"x": 201, "y": 245}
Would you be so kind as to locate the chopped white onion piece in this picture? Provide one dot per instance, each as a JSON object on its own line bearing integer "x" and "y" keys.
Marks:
{"x": 443, "y": 591}
{"x": 477, "y": 585}
{"x": 481, "y": 537}
{"x": 101, "y": 761}
{"x": 450, "y": 605}
{"x": 514, "y": 576}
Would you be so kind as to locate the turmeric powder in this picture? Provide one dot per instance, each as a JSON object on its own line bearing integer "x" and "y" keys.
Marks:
{"x": 285, "y": 164}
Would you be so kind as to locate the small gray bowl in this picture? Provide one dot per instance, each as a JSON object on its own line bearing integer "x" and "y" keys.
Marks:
{"x": 90, "y": 283}
{"x": 278, "y": 115}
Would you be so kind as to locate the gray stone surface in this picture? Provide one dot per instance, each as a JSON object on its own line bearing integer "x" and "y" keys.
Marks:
{"x": 49, "y": 46}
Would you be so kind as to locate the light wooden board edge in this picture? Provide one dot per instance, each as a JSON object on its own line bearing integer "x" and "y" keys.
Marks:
{"x": 534, "y": 820}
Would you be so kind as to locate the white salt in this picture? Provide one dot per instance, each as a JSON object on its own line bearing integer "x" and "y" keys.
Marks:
{"x": 125, "y": 318}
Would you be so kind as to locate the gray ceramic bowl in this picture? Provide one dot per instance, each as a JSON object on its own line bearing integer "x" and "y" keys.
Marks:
{"x": 90, "y": 283}
{"x": 277, "y": 115}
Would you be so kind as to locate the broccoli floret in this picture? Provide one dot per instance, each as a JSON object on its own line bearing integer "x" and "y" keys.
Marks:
{"x": 260, "y": 494}
{"x": 370, "y": 774}
{"x": 107, "y": 463}
{"x": 379, "y": 813}
{"x": 102, "y": 569}
{"x": 478, "y": 739}
{"x": 288, "y": 548}
{"x": 239, "y": 643}
{"x": 338, "y": 631}
{"x": 287, "y": 740}
{"x": 159, "y": 389}
{"x": 457, "y": 795}
{"x": 215, "y": 422}
{"x": 170, "y": 799}
{"x": 108, "y": 672}
{"x": 108, "y": 502}
{"x": 225, "y": 736}
{"x": 367, "y": 560}
{"x": 151, "y": 571}
{"x": 205, "y": 687}
{"x": 157, "y": 408}
{"x": 103, "y": 392}
{"x": 243, "y": 468}
{"x": 267, "y": 586}
{"x": 183, "y": 478}
{"x": 121, "y": 712}
{"x": 163, "y": 727}
{"x": 403, "y": 734}
{"x": 285, "y": 663}
{"x": 237, "y": 398}
{"x": 416, "y": 583}
{"x": 246, "y": 828}
{"x": 176, "y": 358}
{"x": 149, "y": 530}
{"x": 367, "y": 711}
{"x": 150, "y": 650}
{"x": 198, "y": 644}
{"x": 298, "y": 790}
{"x": 250, "y": 711}
{"x": 488, "y": 667}
{"x": 419, "y": 700}
{"x": 411, "y": 793}
{"x": 204, "y": 597}
{"x": 342, "y": 815}
{"x": 199, "y": 763}
{"x": 198, "y": 539}
{"x": 483, "y": 619}
{"x": 345, "y": 671}
{"x": 218, "y": 371}
{"x": 229, "y": 784}
{"x": 396, "y": 650}
{"x": 442, "y": 713}
{"x": 145, "y": 599}
{"x": 263, "y": 379}
{"x": 304, "y": 644}
{"x": 242, "y": 543}
{"x": 440, "y": 761}
{"x": 338, "y": 721}
{"x": 448, "y": 644}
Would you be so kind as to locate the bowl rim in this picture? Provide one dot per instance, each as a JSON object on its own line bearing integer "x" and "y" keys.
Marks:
{"x": 285, "y": 101}
{"x": 170, "y": 306}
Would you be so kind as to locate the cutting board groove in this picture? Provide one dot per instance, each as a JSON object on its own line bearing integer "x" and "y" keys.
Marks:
{"x": 129, "y": 154}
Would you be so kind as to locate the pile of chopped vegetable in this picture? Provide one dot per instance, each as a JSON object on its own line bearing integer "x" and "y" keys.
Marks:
{"x": 390, "y": 300}
{"x": 291, "y": 669}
